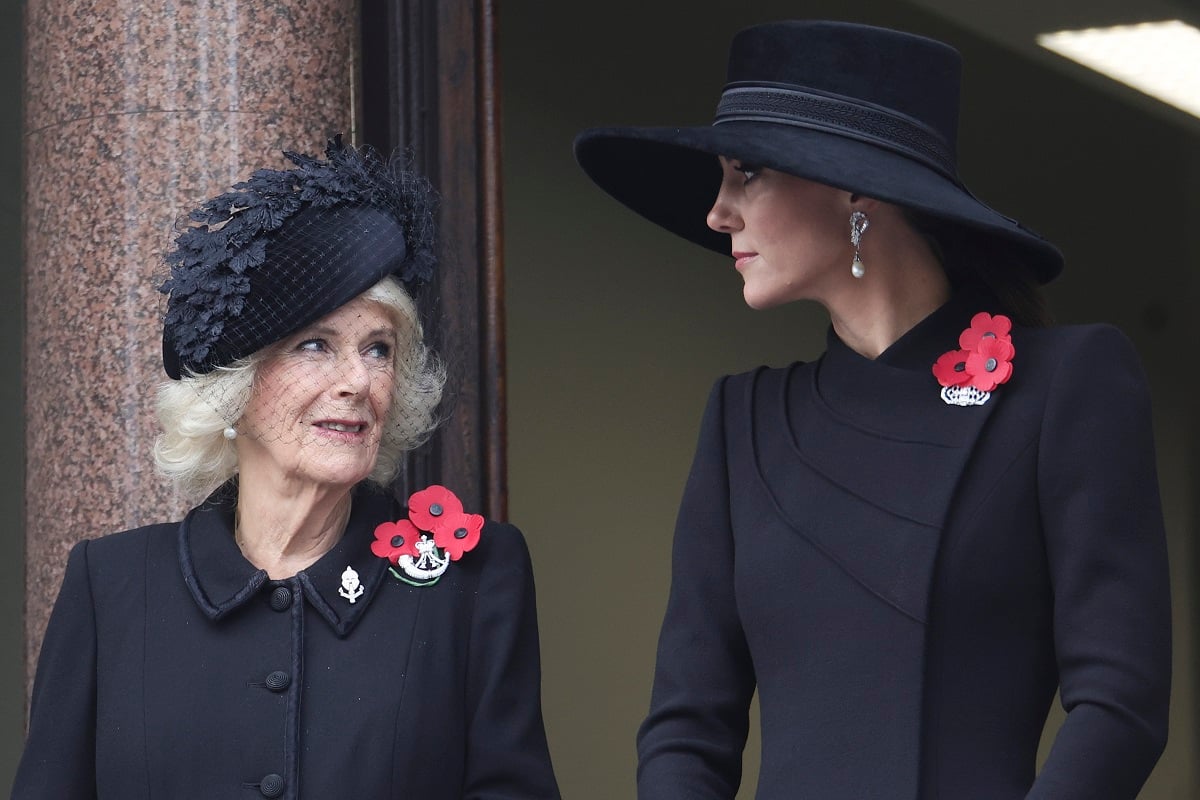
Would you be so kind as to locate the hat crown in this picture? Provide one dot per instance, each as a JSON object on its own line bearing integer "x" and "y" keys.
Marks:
{"x": 900, "y": 72}
{"x": 286, "y": 247}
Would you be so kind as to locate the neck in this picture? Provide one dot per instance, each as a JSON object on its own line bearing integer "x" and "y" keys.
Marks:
{"x": 284, "y": 528}
{"x": 904, "y": 284}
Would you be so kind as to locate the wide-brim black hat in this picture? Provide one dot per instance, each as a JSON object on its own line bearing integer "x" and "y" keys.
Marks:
{"x": 287, "y": 247}
{"x": 864, "y": 109}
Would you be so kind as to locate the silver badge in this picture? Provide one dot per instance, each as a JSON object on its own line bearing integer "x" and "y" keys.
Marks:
{"x": 351, "y": 587}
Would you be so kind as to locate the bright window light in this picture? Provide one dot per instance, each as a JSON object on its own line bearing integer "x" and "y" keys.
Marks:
{"x": 1161, "y": 59}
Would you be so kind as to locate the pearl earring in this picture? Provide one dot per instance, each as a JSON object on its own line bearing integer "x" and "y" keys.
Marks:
{"x": 858, "y": 225}
{"x": 230, "y": 432}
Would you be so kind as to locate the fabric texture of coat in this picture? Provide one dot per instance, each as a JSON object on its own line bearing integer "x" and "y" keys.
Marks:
{"x": 173, "y": 669}
{"x": 906, "y": 582}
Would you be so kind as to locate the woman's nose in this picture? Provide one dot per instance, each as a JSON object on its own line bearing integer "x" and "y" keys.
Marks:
{"x": 354, "y": 377}
{"x": 722, "y": 217}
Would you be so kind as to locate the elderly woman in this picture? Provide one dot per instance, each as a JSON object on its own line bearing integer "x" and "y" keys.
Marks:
{"x": 297, "y": 635}
{"x": 906, "y": 546}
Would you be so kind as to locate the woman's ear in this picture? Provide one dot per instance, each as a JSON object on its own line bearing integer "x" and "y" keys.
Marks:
{"x": 860, "y": 202}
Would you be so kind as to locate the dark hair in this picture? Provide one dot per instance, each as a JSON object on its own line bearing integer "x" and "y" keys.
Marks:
{"x": 975, "y": 263}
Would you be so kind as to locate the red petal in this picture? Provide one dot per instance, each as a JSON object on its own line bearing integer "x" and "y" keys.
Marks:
{"x": 999, "y": 349}
{"x": 984, "y": 323}
{"x": 382, "y": 549}
{"x": 1003, "y": 372}
{"x": 422, "y": 504}
{"x": 981, "y": 378}
{"x": 454, "y": 546}
{"x": 386, "y": 531}
{"x": 944, "y": 371}
{"x": 383, "y": 531}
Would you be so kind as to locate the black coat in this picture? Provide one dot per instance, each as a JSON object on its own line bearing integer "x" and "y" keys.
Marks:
{"x": 906, "y": 582}
{"x": 173, "y": 669}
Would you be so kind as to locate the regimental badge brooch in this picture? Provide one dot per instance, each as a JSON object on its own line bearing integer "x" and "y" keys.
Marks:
{"x": 983, "y": 361}
{"x": 436, "y": 532}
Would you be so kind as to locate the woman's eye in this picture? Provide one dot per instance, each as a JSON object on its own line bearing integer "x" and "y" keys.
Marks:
{"x": 312, "y": 345}
{"x": 379, "y": 350}
{"x": 749, "y": 171}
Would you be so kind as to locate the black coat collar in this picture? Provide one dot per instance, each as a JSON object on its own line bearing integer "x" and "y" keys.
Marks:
{"x": 221, "y": 580}
{"x": 887, "y": 454}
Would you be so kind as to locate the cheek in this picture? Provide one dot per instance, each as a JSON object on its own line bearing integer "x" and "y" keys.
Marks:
{"x": 280, "y": 395}
{"x": 811, "y": 216}
{"x": 786, "y": 230}
{"x": 382, "y": 389}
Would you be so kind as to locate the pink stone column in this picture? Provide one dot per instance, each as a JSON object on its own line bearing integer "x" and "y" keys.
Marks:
{"x": 137, "y": 110}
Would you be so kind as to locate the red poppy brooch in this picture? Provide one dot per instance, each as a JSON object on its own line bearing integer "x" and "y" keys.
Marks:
{"x": 436, "y": 532}
{"x": 983, "y": 361}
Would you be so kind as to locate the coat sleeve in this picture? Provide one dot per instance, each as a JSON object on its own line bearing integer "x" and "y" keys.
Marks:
{"x": 690, "y": 745}
{"x": 507, "y": 757}
{"x": 1106, "y": 548}
{"x": 60, "y": 751}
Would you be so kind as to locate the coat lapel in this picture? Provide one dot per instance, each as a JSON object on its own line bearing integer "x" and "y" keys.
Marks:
{"x": 221, "y": 580}
{"x": 871, "y": 457}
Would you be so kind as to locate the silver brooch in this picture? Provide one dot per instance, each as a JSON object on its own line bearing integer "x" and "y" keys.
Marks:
{"x": 351, "y": 586}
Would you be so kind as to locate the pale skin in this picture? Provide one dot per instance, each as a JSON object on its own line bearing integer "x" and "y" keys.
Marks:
{"x": 311, "y": 432}
{"x": 790, "y": 239}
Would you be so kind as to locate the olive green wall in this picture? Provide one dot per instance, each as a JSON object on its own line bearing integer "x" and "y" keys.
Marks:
{"x": 616, "y": 330}
{"x": 12, "y": 436}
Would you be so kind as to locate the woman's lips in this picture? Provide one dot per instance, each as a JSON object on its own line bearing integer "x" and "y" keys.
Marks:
{"x": 741, "y": 259}
{"x": 345, "y": 427}
{"x": 341, "y": 429}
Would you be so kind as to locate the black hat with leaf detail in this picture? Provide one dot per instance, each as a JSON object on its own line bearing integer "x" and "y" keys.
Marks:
{"x": 286, "y": 247}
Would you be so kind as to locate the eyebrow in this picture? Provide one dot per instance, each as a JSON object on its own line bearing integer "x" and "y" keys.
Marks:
{"x": 327, "y": 332}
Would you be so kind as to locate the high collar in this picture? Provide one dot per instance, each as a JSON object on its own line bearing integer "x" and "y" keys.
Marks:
{"x": 920, "y": 345}
{"x": 221, "y": 580}
{"x": 898, "y": 387}
{"x": 871, "y": 455}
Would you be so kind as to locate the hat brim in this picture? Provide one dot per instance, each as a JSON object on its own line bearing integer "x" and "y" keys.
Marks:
{"x": 671, "y": 176}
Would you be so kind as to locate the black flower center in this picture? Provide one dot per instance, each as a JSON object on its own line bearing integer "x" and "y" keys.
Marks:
{"x": 991, "y": 365}
{"x": 961, "y": 366}
{"x": 397, "y": 541}
{"x": 435, "y": 509}
{"x": 461, "y": 533}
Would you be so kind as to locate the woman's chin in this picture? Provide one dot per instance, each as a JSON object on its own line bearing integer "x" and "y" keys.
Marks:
{"x": 760, "y": 301}
{"x": 329, "y": 471}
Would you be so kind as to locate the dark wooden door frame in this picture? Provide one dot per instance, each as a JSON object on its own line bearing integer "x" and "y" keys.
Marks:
{"x": 429, "y": 84}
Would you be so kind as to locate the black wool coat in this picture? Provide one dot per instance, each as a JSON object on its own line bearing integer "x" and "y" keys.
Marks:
{"x": 906, "y": 583}
{"x": 174, "y": 669}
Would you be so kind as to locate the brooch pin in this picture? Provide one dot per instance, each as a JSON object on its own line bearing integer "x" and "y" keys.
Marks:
{"x": 436, "y": 532}
{"x": 983, "y": 361}
{"x": 351, "y": 588}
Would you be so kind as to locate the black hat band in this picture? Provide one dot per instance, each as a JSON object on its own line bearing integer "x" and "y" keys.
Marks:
{"x": 903, "y": 135}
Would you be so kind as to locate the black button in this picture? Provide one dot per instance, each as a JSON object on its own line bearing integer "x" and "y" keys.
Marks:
{"x": 281, "y": 598}
{"x": 278, "y": 680}
{"x": 461, "y": 533}
{"x": 271, "y": 786}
